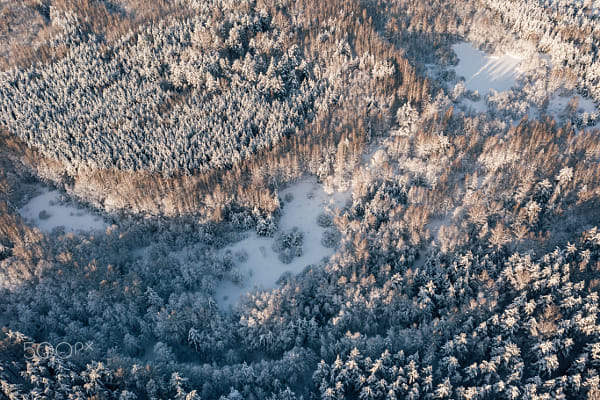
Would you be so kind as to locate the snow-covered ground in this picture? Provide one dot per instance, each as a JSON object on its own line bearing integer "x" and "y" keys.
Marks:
{"x": 262, "y": 267}
{"x": 488, "y": 74}
{"x": 558, "y": 104}
{"x": 483, "y": 72}
{"x": 47, "y": 211}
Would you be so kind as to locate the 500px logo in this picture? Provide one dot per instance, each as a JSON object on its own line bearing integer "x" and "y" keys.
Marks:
{"x": 63, "y": 350}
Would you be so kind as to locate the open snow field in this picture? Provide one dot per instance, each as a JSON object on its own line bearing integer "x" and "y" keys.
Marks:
{"x": 47, "y": 211}
{"x": 483, "y": 72}
{"x": 262, "y": 267}
{"x": 486, "y": 73}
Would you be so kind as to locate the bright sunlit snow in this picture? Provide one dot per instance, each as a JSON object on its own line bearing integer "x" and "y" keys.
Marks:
{"x": 47, "y": 212}
{"x": 262, "y": 268}
{"x": 483, "y": 72}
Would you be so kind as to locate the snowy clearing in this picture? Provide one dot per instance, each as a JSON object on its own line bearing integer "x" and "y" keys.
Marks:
{"x": 557, "y": 106}
{"x": 254, "y": 256}
{"x": 47, "y": 211}
{"x": 483, "y": 72}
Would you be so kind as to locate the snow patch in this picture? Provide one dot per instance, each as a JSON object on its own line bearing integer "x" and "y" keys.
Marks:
{"x": 483, "y": 72}
{"x": 254, "y": 258}
{"x": 48, "y": 211}
{"x": 558, "y": 104}
{"x": 475, "y": 105}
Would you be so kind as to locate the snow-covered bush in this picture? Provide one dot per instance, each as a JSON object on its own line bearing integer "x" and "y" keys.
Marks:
{"x": 331, "y": 238}
{"x": 324, "y": 220}
{"x": 288, "y": 245}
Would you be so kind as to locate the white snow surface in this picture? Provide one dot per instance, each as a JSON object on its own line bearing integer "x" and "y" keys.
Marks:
{"x": 262, "y": 269}
{"x": 557, "y": 105}
{"x": 484, "y": 72}
{"x": 477, "y": 106}
{"x": 47, "y": 211}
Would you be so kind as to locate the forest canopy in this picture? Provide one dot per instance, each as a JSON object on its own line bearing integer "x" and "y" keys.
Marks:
{"x": 456, "y": 233}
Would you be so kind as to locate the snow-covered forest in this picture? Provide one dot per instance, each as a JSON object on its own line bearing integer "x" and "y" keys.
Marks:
{"x": 179, "y": 95}
{"x": 351, "y": 199}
